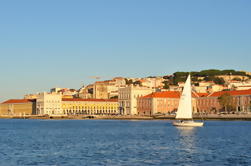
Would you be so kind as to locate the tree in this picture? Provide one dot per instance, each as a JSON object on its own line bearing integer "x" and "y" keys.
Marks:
{"x": 226, "y": 101}
{"x": 236, "y": 79}
{"x": 114, "y": 97}
{"x": 137, "y": 83}
{"x": 90, "y": 90}
{"x": 219, "y": 81}
{"x": 166, "y": 85}
{"x": 128, "y": 82}
{"x": 208, "y": 78}
{"x": 167, "y": 77}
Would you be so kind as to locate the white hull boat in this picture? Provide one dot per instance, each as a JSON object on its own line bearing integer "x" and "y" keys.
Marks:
{"x": 184, "y": 114}
{"x": 188, "y": 124}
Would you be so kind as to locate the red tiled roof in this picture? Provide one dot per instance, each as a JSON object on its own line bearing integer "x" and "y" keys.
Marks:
{"x": 167, "y": 94}
{"x": 232, "y": 93}
{"x": 16, "y": 101}
{"x": 100, "y": 100}
{"x": 172, "y": 94}
{"x": 202, "y": 94}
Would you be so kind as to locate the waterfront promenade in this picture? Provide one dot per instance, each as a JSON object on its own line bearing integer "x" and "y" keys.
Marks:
{"x": 134, "y": 117}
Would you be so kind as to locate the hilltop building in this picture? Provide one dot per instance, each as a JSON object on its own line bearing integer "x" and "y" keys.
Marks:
{"x": 108, "y": 89}
{"x": 30, "y": 96}
{"x": 86, "y": 92}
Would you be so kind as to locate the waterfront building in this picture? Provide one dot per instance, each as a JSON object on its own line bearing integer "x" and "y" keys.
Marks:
{"x": 241, "y": 101}
{"x": 90, "y": 106}
{"x": 128, "y": 98}
{"x": 18, "y": 107}
{"x": 161, "y": 103}
{"x": 49, "y": 104}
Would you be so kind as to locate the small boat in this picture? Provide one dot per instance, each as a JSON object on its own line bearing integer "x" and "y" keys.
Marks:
{"x": 184, "y": 114}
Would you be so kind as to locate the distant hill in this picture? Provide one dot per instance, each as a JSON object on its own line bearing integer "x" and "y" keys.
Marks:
{"x": 205, "y": 75}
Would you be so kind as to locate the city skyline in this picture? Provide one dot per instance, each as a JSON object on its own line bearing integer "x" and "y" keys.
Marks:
{"x": 47, "y": 44}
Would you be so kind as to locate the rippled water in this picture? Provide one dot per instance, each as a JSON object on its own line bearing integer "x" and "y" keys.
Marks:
{"x": 128, "y": 143}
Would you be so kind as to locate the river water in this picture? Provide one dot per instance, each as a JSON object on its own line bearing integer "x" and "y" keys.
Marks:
{"x": 127, "y": 143}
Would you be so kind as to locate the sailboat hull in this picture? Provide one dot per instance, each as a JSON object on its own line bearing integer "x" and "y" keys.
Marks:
{"x": 188, "y": 124}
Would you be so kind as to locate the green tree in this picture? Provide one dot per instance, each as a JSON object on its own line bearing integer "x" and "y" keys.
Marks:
{"x": 128, "y": 82}
{"x": 114, "y": 97}
{"x": 166, "y": 85}
{"x": 219, "y": 81}
{"x": 137, "y": 83}
{"x": 236, "y": 79}
{"x": 226, "y": 101}
{"x": 209, "y": 78}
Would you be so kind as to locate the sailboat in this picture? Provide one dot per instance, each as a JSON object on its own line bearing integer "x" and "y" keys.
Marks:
{"x": 184, "y": 114}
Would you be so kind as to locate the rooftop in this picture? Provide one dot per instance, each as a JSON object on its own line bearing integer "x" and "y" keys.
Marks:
{"x": 166, "y": 94}
{"x": 232, "y": 93}
{"x": 172, "y": 94}
{"x": 100, "y": 100}
{"x": 17, "y": 101}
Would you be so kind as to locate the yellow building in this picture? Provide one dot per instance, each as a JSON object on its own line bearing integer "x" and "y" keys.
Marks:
{"x": 18, "y": 107}
{"x": 89, "y": 106}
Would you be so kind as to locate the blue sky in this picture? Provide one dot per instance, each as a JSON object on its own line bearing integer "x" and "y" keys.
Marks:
{"x": 48, "y": 43}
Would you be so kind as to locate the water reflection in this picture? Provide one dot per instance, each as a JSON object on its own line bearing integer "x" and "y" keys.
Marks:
{"x": 186, "y": 131}
{"x": 187, "y": 137}
{"x": 187, "y": 144}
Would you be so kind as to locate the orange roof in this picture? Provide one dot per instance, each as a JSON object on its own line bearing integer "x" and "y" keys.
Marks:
{"x": 202, "y": 94}
{"x": 167, "y": 94}
{"x": 172, "y": 94}
{"x": 232, "y": 93}
{"x": 17, "y": 101}
{"x": 100, "y": 100}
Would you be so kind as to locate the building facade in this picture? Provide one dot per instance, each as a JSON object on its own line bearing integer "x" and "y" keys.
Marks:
{"x": 17, "y": 107}
{"x": 90, "y": 107}
{"x": 241, "y": 101}
{"x": 49, "y": 104}
{"x": 161, "y": 103}
{"x": 128, "y": 98}
{"x": 108, "y": 89}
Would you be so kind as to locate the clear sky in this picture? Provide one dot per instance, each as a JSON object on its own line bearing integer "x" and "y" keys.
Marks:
{"x": 49, "y": 43}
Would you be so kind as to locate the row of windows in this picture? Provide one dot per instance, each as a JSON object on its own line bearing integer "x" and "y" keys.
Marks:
{"x": 88, "y": 105}
{"x": 90, "y": 112}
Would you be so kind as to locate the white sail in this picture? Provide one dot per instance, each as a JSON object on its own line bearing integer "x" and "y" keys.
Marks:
{"x": 185, "y": 103}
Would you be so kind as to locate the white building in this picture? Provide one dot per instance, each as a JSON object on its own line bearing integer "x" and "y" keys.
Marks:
{"x": 128, "y": 98}
{"x": 49, "y": 104}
